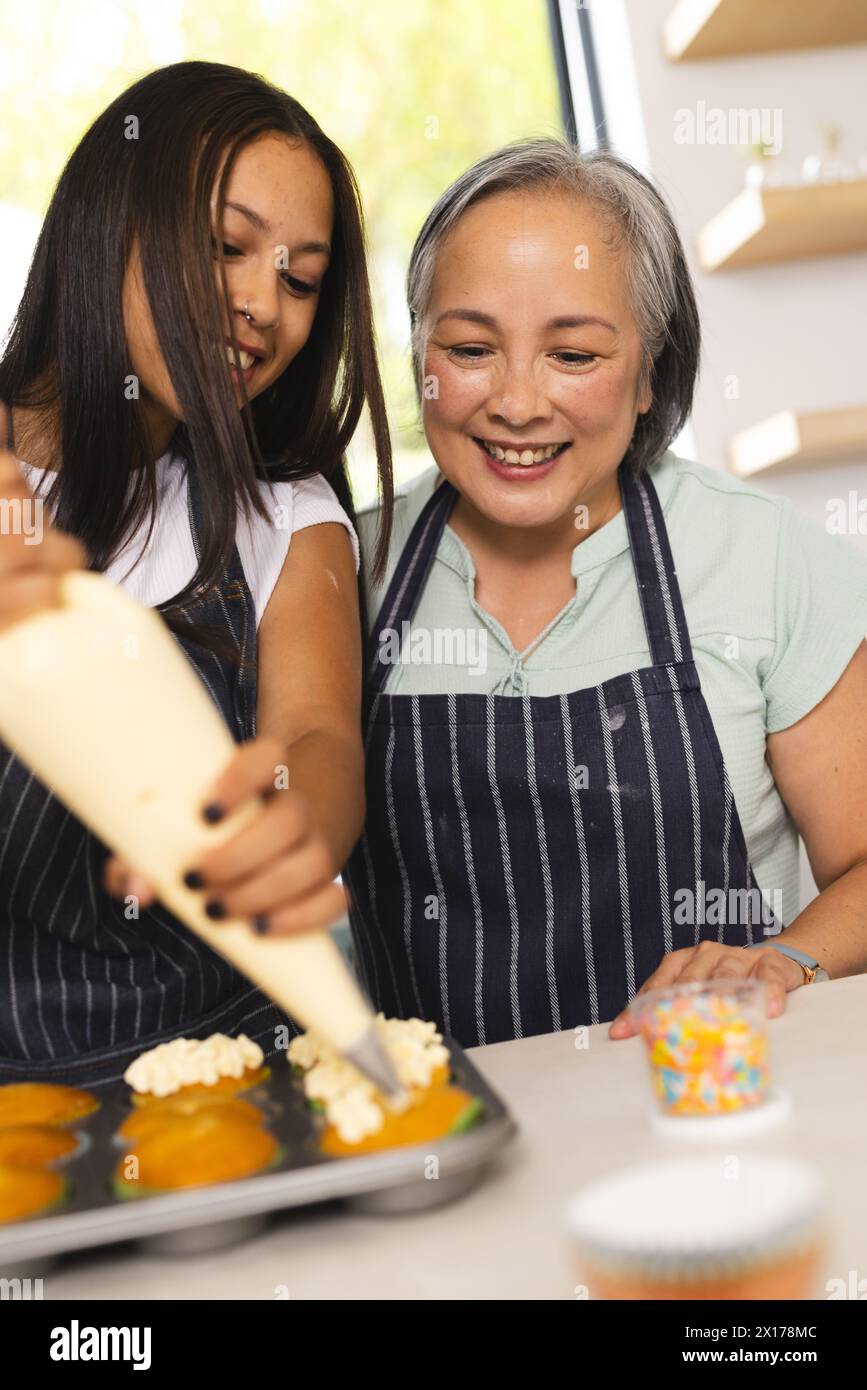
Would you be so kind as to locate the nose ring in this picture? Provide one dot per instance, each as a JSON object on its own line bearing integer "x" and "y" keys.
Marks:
{"x": 247, "y": 315}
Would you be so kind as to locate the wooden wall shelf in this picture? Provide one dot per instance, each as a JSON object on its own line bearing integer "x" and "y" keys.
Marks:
{"x": 815, "y": 436}
{"x": 763, "y": 225}
{"x": 701, "y": 29}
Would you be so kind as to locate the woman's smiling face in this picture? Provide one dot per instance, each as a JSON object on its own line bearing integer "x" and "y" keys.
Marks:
{"x": 531, "y": 347}
{"x": 276, "y": 236}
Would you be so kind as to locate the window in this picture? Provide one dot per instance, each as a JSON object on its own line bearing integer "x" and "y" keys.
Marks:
{"x": 413, "y": 93}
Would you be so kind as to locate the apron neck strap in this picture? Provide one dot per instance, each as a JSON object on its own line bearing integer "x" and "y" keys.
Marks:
{"x": 658, "y": 589}
{"x": 407, "y": 582}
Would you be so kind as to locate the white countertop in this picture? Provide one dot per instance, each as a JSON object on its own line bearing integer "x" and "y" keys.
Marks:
{"x": 580, "y": 1113}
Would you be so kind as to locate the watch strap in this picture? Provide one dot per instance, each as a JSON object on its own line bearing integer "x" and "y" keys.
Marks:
{"x": 807, "y": 963}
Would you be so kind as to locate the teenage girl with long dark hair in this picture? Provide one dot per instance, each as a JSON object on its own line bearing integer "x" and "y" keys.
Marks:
{"x": 188, "y": 364}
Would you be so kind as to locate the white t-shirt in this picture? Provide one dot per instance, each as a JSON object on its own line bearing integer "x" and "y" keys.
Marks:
{"x": 155, "y": 573}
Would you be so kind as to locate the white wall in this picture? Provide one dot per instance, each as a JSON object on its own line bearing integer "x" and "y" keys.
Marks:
{"x": 793, "y": 335}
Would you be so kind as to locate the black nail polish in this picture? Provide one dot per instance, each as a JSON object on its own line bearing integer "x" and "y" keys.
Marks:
{"x": 215, "y": 909}
{"x": 213, "y": 812}
{"x": 194, "y": 879}
{"x": 260, "y": 925}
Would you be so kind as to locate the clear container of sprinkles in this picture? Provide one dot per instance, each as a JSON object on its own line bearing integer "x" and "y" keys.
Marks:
{"x": 707, "y": 1049}
{"x": 702, "y": 1228}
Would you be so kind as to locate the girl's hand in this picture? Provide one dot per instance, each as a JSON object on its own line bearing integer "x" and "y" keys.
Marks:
{"x": 711, "y": 961}
{"x": 33, "y": 554}
{"x": 278, "y": 870}
{"x": 123, "y": 882}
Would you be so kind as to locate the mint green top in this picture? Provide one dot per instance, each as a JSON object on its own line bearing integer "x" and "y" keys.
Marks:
{"x": 776, "y": 608}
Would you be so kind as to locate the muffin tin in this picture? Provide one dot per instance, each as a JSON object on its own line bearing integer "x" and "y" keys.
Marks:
{"x": 200, "y": 1219}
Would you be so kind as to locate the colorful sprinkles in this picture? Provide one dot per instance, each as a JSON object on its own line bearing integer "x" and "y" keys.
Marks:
{"x": 707, "y": 1057}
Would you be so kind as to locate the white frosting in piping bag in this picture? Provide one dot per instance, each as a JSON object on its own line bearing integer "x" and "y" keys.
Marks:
{"x": 132, "y": 748}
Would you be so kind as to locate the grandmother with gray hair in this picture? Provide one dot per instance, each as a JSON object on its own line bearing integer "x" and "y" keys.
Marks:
{"x": 608, "y": 688}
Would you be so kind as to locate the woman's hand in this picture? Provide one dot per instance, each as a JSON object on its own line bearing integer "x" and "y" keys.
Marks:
{"x": 32, "y": 558}
{"x": 277, "y": 870}
{"x": 711, "y": 961}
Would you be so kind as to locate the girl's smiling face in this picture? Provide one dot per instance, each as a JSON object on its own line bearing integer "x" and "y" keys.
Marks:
{"x": 276, "y": 237}
{"x": 531, "y": 352}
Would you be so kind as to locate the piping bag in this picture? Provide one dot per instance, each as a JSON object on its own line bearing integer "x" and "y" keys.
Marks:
{"x": 98, "y": 698}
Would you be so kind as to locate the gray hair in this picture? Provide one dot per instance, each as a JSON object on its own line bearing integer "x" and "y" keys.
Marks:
{"x": 659, "y": 285}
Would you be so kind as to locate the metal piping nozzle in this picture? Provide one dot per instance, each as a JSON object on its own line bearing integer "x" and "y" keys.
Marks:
{"x": 371, "y": 1058}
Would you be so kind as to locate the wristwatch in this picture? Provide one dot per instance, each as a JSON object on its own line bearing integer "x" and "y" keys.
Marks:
{"x": 813, "y": 972}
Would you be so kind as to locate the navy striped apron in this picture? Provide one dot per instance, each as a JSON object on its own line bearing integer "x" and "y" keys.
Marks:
{"x": 522, "y": 855}
{"x": 83, "y": 990}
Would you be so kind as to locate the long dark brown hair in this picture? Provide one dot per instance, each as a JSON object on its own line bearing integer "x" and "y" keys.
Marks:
{"x": 68, "y": 332}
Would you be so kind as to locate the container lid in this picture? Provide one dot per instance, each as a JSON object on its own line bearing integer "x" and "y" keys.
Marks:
{"x": 730, "y": 1124}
